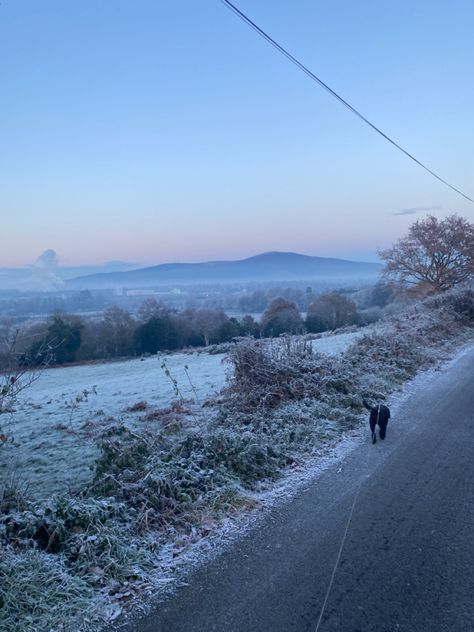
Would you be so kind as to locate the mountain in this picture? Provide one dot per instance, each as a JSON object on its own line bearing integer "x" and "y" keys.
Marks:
{"x": 105, "y": 268}
{"x": 270, "y": 266}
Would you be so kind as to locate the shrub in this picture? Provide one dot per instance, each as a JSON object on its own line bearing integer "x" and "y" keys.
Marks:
{"x": 157, "y": 334}
{"x": 88, "y": 534}
{"x": 59, "y": 346}
{"x": 173, "y": 482}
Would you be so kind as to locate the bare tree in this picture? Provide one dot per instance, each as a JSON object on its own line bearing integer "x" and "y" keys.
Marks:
{"x": 207, "y": 322}
{"x": 330, "y": 311}
{"x": 117, "y": 332}
{"x": 15, "y": 378}
{"x": 281, "y": 317}
{"x": 435, "y": 256}
{"x": 151, "y": 308}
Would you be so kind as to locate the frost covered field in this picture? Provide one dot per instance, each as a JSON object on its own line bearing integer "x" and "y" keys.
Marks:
{"x": 54, "y": 420}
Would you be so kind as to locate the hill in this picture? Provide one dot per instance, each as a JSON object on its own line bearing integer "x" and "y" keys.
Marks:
{"x": 270, "y": 266}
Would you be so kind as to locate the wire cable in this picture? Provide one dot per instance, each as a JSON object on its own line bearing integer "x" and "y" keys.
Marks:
{"x": 321, "y": 83}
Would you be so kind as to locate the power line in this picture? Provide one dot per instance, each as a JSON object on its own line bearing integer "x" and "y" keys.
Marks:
{"x": 321, "y": 83}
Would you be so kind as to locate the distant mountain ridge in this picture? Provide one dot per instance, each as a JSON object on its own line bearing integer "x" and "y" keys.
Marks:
{"x": 269, "y": 266}
{"x": 47, "y": 276}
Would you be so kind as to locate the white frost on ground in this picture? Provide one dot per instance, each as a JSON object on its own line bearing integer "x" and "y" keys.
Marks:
{"x": 334, "y": 345}
{"x": 47, "y": 451}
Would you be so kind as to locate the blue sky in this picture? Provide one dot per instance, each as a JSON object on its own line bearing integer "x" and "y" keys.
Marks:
{"x": 157, "y": 131}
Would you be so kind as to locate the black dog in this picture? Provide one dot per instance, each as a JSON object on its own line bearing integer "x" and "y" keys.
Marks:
{"x": 380, "y": 415}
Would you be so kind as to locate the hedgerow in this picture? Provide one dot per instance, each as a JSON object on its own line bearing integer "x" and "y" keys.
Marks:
{"x": 67, "y": 559}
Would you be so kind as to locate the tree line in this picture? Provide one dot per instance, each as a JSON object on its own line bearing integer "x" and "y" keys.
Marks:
{"x": 66, "y": 338}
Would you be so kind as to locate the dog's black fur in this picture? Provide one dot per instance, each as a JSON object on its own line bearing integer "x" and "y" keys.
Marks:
{"x": 380, "y": 415}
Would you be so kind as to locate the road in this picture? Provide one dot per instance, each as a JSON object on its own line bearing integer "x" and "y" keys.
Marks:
{"x": 408, "y": 559}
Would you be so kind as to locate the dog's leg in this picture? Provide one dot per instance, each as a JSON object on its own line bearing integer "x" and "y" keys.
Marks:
{"x": 383, "y": 429}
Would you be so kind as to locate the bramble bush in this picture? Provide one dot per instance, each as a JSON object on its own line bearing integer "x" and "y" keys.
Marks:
{"x": 174, "y": 480}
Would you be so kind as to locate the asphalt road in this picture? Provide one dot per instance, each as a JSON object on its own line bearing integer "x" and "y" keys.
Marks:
{"x": 408, "y": 560}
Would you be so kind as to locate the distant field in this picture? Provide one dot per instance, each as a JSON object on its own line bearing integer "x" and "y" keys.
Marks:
{"x": 52, "y": 452}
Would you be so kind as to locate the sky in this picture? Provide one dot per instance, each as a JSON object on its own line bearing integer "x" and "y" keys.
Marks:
{"x": 153, "y": 131}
